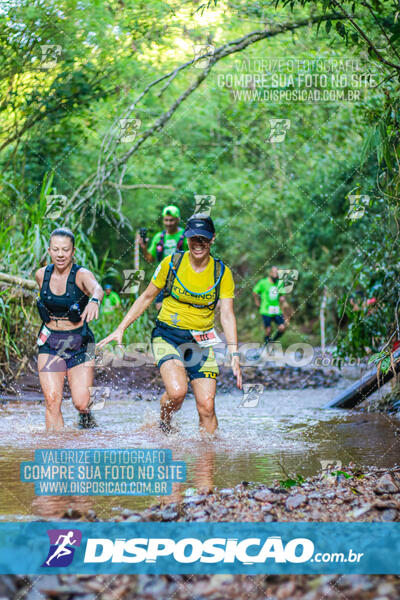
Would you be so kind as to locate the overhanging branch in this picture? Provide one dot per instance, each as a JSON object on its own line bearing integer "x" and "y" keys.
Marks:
{"x": 109, "y": 165}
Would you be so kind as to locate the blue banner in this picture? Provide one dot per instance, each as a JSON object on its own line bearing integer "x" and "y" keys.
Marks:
{"x": 103, "y": 472}
{"x": 249, "y": 548}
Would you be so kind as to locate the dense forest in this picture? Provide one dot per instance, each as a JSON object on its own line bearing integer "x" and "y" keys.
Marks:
{"x": 112, "y": 109}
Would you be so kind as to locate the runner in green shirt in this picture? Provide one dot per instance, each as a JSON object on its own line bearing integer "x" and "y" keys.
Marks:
{"x": 268, "y": 293}
{"x": 111, "y": 299}
{"x": 165, "y": 242}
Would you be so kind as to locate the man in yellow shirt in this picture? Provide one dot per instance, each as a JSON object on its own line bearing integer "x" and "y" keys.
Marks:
{"x": 193, "y": 282}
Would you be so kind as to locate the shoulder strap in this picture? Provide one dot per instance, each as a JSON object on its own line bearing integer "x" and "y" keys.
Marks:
{"x": 219, "y": 269}
{"x": 46, "y": 279}
{"x": 174, "y": 262}
{"x": 179, "y": 245}
{"x": 160, "y": 246}
{"x": 70, "y": 288}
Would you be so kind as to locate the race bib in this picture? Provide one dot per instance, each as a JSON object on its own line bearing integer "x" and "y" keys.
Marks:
{"x": 43, "y": 335}
{"x": 206, "y": 338}
{"x": 274, "y": 310}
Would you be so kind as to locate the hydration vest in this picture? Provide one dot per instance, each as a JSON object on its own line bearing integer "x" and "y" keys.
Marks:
{"x": 69, "y": 305}
{"x": 174, "y": 265}
{"x": 160, "y": 245}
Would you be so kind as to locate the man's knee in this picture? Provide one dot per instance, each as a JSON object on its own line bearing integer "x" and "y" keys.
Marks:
{"x": 281, "y": 327}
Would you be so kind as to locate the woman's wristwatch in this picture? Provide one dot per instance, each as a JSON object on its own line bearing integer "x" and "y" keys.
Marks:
{"x": 94, "y": 300}
{"x": 235, "y": 353}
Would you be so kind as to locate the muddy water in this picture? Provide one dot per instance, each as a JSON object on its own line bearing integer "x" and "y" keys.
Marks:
{"x": 287, "y": 431}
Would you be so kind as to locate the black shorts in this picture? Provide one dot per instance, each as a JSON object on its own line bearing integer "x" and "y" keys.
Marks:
{"x": 279, "y": 320}
{"x": 69, "y": 348}
{"x": 172, "y": 342}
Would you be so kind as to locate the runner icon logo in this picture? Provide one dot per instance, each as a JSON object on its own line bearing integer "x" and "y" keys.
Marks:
{"x": 61, "y": 551}
{"x": 251, "y": 395}
{"x": 133, "y": 278}
{"x": 204, "y": 203}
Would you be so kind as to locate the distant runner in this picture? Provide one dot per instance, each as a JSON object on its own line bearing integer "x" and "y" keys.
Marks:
{"x": 69, "y": 299}
{"x": 111, "y": 300}
{"x": 184, "y": 333}
{"x": 165, "y": 242}
{"x": 268, "y": 296}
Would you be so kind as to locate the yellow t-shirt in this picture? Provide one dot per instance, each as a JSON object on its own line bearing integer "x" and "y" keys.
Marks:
{"x": 180, "y": 313}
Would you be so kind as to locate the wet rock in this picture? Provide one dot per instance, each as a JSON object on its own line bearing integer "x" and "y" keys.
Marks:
{"x": 314, "y": 495}
{"x": 286, "y": 591}
{"x": 389, "y": 514}
{"x": 72, "y": 513}
{"x": 169, "y": 514}
{"x": 150, "y": 586}
{"x": 95, "y": 585}
{"x": 268, "y": 519}
{"x": 295, "y": 501}
{"x": 51, "y": 586}
{"x": 386, "y": 485}
{"x": 194, "y": 500}
{"x": 267, "y": 507}
{"x": 91, "y": 515}
{"x": 33, "y": 594}
{"x": 330, "y": 495}
{"x": 385, "y": 589}
{"x": 354, "y": 582}
{"x": 199, "y": 515}
{"x": 263, "y": 496}
{"x": 217, "y": 580}
{"x": 381, "y": 504}
{"x": 135, "y": 518}
{"x": 226, "y": 492}
{"x": 126, "y": 512}
{"x": 361, "y": 511}
{"x": 7, "y": 586}
{"x": 152, "y": 516}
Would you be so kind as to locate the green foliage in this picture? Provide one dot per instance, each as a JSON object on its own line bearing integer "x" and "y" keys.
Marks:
{"x": 292, "y": 481}
{"x": 277, "y": 203}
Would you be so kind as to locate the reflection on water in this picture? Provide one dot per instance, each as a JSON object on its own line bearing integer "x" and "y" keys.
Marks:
{"x": 287, "y": 432}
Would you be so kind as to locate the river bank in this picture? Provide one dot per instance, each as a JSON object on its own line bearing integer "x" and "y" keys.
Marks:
{"x": 350, "y": 494}
{"x": 202, "y": 587}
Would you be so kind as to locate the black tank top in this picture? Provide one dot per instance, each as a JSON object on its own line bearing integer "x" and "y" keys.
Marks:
{"x": 58, "y": 305}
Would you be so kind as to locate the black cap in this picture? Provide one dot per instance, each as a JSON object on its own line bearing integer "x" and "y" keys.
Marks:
{"x": 200, "y": 226}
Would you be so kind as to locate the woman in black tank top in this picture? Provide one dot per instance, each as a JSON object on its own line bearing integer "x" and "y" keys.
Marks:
{"x": 68, "y": 300}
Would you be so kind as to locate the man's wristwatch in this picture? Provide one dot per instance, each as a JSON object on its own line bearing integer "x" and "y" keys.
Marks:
{"x": 94, "y": 300}
{"x": 235, "y": 353}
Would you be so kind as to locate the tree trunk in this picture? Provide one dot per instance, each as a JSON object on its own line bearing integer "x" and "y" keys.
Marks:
{"x": 28, "y": 284}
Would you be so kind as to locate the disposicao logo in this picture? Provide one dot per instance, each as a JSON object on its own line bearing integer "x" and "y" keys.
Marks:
{"x": 61, "y": 551}
{"x": 190, "y": 550}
